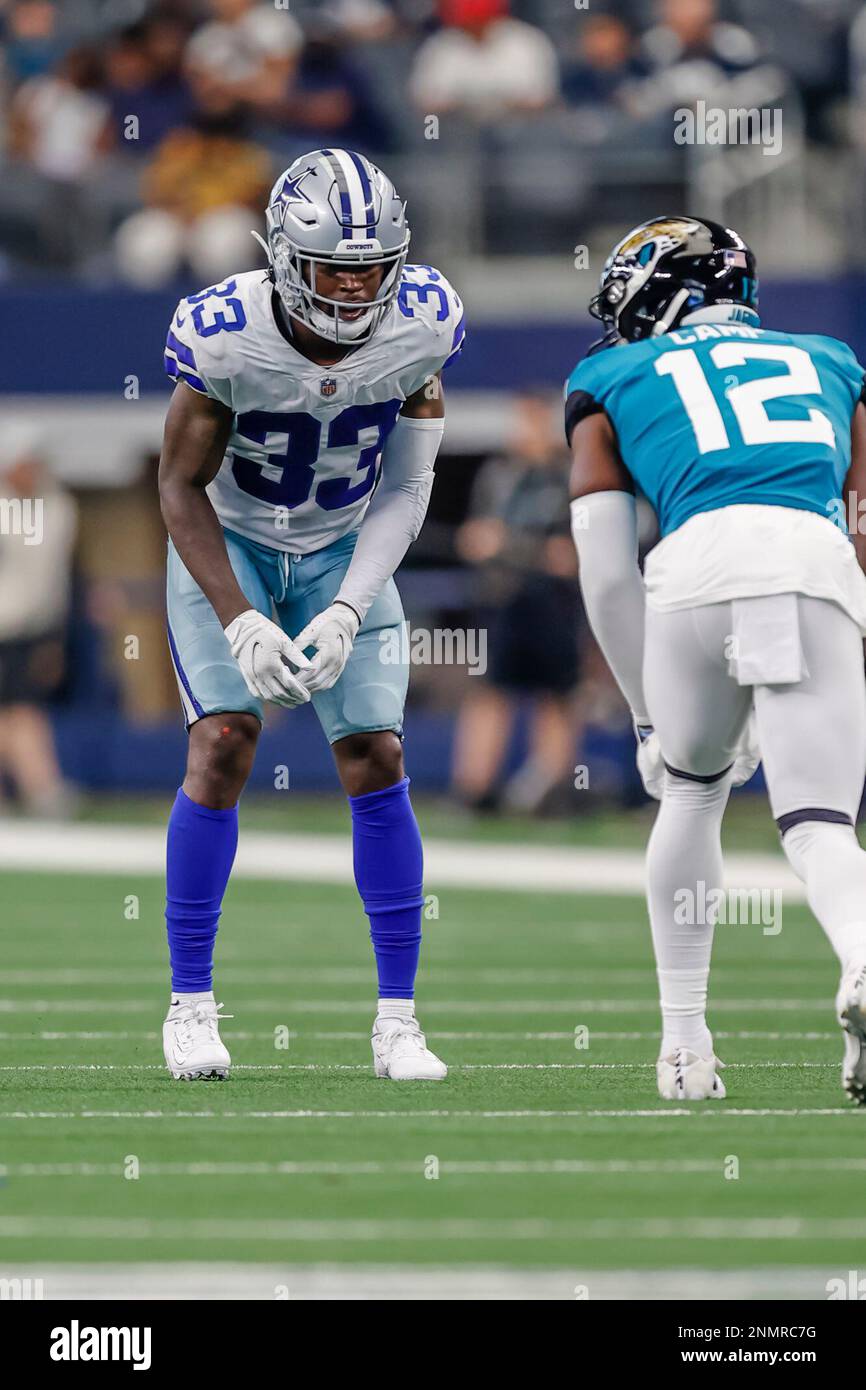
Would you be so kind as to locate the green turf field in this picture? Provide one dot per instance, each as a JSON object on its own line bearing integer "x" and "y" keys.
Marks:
{"x": 548, "y": 1155}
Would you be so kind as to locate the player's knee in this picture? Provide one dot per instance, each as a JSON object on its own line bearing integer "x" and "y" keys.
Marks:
{"x": 221, "y": 752}
{"x": 810, "y": 843}
{"x": 696, "y": 763}
{"x": 369, "y": 762}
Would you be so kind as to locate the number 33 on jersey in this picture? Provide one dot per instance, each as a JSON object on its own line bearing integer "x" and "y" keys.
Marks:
{"x": 304, "y": 452}
{"x": 716, "y": 414}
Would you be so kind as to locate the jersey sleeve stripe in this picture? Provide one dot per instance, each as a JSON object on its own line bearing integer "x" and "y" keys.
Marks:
{"x": 177, "y": 373}
{"x": 181, "y": 351}
{"x": 457, "y": 341}
{"x": 578, "y": 406}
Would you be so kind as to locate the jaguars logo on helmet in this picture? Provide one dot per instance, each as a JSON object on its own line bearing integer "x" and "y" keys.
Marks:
{"x": 670, "y": 267}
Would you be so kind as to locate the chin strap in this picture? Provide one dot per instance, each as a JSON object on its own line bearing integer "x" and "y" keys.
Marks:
{"x": 263, "y": 244}
{"x": 669, "y": 317}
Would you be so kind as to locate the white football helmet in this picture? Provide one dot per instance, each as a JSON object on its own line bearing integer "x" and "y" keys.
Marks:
{"x": 334, "y": 206}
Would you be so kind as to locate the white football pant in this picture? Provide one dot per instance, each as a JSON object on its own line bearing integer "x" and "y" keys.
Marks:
{"x": 801, "y": 663}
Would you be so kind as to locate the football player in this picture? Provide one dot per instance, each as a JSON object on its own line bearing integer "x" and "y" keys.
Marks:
{"x": 748, "y": 443}
{"x": 295, "y": 473}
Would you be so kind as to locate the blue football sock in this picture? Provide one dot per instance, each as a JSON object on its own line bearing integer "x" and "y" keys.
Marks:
{"x": 199, "y": 857}
{"x": 389, "y": 872}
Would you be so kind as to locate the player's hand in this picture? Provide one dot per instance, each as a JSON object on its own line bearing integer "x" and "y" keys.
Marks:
{"x": 650, "y": 763}
{"x": 748, "y": 754}
{"x": 268, "y": 659}
{"x": 332, "y": 633}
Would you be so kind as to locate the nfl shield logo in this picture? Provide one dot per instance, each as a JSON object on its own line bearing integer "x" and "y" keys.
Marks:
{"x": 328, "y": 386}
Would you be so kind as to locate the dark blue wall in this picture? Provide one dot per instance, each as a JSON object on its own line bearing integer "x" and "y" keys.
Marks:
{"x": 73, "y": 339}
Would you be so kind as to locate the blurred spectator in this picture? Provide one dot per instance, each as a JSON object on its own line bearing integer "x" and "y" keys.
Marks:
{"x": 59, "y": 123}
{"x": 604, "y": 59}
{"x": 30, "y": 42}
{"x": 518, "y": 540}
{"x": 204, "y": 187}
{"x": 168, "y": 33}
{"x": 249, "y": 49}
{"x": 325, "y": 101}
{"x": 140, "y": 81}
{"x": 483, "y": 62}
{"x": 37, "y": 537}
{"x": 691, "y": 54}
{"x": 57, "y": 138}
{"x": 361, "y": 21}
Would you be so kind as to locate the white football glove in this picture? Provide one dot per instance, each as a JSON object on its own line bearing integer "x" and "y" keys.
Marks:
{"x": 650, "y": 763}
{"x": 748, "y": 753}
{"x": 651, "y": 766}
{"x": 332, "y": 633}
{"x": 268, "y": 659}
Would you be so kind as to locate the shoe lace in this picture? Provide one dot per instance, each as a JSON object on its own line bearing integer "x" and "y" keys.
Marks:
{"x": 406, "y": 1032}
{"x": 201, "y": 1023}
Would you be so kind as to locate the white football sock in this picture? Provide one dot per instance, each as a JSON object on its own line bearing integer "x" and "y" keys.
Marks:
{"x": 684, "y": 864}
{"x": 829, "y": 861}
{"x": 178, "y": 998}
{"x": 396, "y": 1008}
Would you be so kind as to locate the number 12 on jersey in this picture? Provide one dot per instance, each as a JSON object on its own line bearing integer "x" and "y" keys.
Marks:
{"x": 747, "y": 399}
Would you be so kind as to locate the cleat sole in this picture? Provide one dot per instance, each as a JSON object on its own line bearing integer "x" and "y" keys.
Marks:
{"x": 213, "y": 1074}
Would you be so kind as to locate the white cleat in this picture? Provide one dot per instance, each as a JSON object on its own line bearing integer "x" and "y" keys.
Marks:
{"x": 683, "y": 1075}
{"x": 851, "y": 1012}
{"x": 191, "y": 1042}
{"x": 400, "y": 1052}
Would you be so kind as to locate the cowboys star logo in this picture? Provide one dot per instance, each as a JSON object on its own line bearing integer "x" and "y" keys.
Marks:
{"x": 291, "y": 191}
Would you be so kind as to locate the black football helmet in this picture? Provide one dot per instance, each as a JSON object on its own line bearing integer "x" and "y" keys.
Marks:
{"x": 667, "y": 268}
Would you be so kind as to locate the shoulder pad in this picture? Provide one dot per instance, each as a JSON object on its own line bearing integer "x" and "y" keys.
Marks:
{"x": 201, "y": 345}
{"x": 428, "y": 299}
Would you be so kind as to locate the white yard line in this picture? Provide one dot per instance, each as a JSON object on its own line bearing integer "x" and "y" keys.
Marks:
{"x": 288, "y": 1006}
{"x": 124, "y": 1035}
{"x": 504, "y": 1168}
{"x": 698, "y": 1112}
{"x": 390, "y": 1283}
{"x": 446, "y": 1230}
{"x": 133, "y": 849}
{"x": 612, "y": 974}
{"x": 364, "y": 1066}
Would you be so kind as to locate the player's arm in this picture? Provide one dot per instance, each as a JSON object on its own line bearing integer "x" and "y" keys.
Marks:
{"x": 399, "y": 504}
{"x": 197, "y": 429}
{"x": 196, "y": 433}
{"x": 854, "y": 490}
{"x": 391, "y": 523}
{"x": 604, "y": 527}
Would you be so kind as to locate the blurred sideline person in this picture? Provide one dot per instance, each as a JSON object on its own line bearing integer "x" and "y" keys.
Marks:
{"x": 483, "y": 62}
{"x": 296, "y": 471}
{"x": 751, "y": 445}
{"x": 37, "y": 537}
{"x": 200, "y": 186}
{"x": 517, "y": 538}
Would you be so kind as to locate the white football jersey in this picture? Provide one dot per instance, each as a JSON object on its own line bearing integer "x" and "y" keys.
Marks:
{"x": 305, "y": 449}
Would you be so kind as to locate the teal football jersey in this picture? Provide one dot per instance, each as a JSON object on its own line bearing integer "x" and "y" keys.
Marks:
{"x": 715, "y": 415}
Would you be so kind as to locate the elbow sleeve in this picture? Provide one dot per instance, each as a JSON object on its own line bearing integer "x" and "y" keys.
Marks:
{"x": 396, "y": 512}
{"x": 604, "y": 527}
